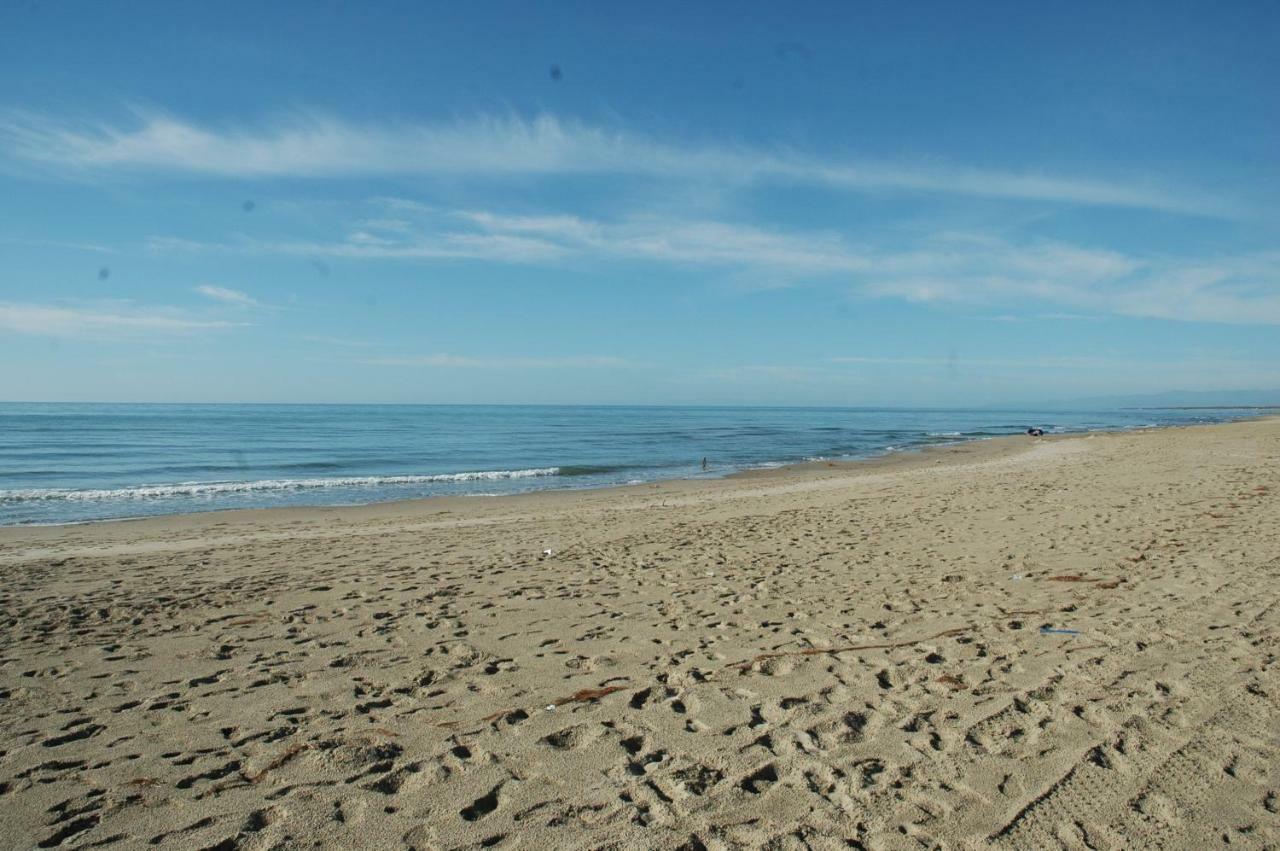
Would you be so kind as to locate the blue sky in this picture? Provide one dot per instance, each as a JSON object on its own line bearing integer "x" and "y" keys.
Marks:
{"x": 844, "y": 204}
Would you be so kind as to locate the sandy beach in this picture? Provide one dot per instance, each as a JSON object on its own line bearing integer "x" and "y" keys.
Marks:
{"x": 1015, "y": 643}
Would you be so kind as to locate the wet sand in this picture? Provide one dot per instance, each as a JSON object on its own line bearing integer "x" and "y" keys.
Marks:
{"x": 818, "y": 657}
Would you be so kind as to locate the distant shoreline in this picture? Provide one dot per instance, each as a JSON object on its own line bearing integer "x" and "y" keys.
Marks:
{"x": 1203, "y": 408}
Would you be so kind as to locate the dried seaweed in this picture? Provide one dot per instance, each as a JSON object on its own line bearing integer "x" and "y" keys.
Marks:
{"x": 586, "y": 694}
{"x": 1075, "y": 577}
{"x": 249, "y": 620}
{"x": 954, "y": 683}
{"x": 1083, "y": 647}
{"x": 284, "y": 757}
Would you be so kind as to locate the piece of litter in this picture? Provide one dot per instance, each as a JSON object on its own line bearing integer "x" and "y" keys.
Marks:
{"x": 546, "y": 552}
{"x": 550, "y": 706}
{"x": 1016, "y": 576}
{"x": 1055, "y": 631}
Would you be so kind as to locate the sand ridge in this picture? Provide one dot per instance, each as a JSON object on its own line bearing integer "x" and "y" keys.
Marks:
{"x": 846, "y": 656}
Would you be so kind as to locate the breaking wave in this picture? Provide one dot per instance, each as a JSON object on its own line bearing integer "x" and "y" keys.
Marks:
{"x": 216, "y": 488}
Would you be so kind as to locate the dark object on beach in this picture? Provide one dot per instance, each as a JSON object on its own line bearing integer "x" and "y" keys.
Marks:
{"x": 288, "y": 754}
{"x": 586, "y": 695}
{"x": 1049, "y": 630}
{"x": 1035, "y": 432}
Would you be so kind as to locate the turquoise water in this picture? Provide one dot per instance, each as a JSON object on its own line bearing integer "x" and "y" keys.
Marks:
{"x": 63, "y": 463}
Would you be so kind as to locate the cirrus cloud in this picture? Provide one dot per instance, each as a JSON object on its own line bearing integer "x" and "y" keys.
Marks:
{"x": 111, "y": 320}
{"x": 314, "y": 145}
{"x": 938, "y": 269}
{"x": 226, "y": 295}
{"x": 452, "y": 361}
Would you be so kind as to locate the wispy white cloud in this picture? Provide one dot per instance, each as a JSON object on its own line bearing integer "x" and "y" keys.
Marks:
{"x": 70, "y": 245}
{"x": 773, "y": 374}
{"x": 342, "y": 342}
{"x": 227, "y": 295}
{"x": 1052, "y": 279}
{"x": 1036, "y": 361}
{"x": 1242, "y": 289}
{"x": 1070, "y": 317}
{"x": 362, "y": 245}
{"x": 469, "y": 362}
{"x": 112, "y": 320}
{"x": 1214, "y": 368}
{"x": 946, "y": 268}
{"x": 688, "y": 242}
{"x": 315, "y": 145}
{"x": 1064, "y": 373}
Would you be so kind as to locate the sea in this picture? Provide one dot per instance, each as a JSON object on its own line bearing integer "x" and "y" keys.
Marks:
{"x": 65, "y": 463}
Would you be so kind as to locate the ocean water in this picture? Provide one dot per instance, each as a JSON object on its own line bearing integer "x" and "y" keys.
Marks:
{"x": 62, "y": 463}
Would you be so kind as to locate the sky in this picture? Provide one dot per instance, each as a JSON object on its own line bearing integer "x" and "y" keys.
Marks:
{"x": 927, "y": 204}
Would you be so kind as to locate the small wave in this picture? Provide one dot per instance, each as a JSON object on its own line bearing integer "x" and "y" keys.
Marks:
{"x": 586, "y": 470}
{"x": 215, "y": 488}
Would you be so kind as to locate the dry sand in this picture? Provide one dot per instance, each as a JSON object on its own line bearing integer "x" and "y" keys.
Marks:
{"x": 824, "y": 657}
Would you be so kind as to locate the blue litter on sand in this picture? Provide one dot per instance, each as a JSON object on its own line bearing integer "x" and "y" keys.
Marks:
{"x": 1049, "y": 629}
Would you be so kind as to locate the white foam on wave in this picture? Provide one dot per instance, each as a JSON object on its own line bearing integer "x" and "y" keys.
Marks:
{"x": 216, "y": 488}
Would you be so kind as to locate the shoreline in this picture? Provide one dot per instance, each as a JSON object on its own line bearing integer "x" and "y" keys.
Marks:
{"x": 767, "y": 470}
{"x": 27, "y": 542}
{"x": 886, "y": 459}
{"x": 886, "y": 462}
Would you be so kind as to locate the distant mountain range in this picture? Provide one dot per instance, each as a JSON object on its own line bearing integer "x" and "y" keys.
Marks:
{"x": 1185, "y": 399}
